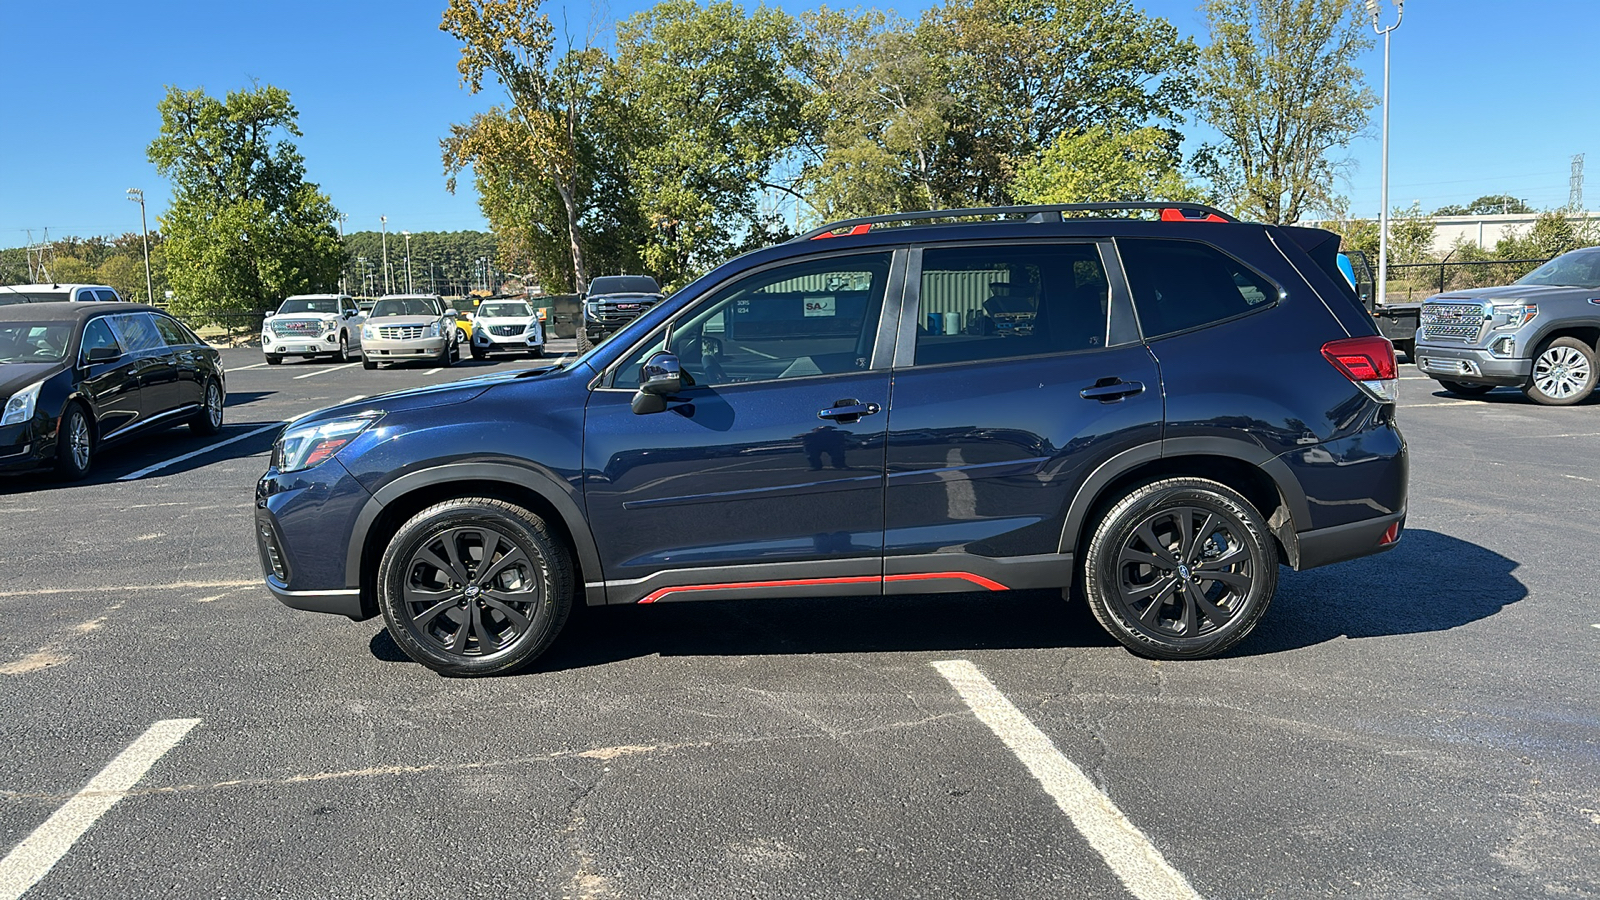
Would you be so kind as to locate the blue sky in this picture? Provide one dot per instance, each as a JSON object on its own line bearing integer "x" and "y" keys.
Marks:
{"x": 1487, "y": 97}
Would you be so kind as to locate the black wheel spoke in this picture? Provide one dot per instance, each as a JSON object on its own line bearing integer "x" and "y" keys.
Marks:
{"x": 1130, "y": 555}
{"x": 424, "y": 618}
{"x": 1236, "y": 555}
{"x": 511, "y": 558}
{"x": 1217, "y": 614}
{"x": 519, "y": 622}
{"x": 1159, "y": 600}
{"x": 445, "y": 567}
{"x": 1200, "y": 538}
{"x": 452, "y": 549}
{"x": 1186, "y": 539}
{"x": 1191, "y": 624}
{"x": 1236, "y": 580}
{"x": 1156, "y": 545}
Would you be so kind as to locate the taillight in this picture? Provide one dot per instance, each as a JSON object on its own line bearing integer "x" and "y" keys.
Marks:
{"x": 1369, "y": 362}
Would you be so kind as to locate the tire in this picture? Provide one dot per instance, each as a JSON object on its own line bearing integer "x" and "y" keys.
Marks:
{"x": 1563, "y": 373}
{"x": 444, "y": 357}
{"x": 1409, "y": 348}
{"x": 479, "y": 354}
{"x": 344, "y": 348}
{"x": 274, "y": 360}
{"x": 584, "y": 344}
{"x": 208, "y": 420}
{"x": 536, "y": 352}
{"x": 1157, "y": 545}
{"x": 1466, "y": 390}
{"x": 368, "y": 362}
{"x": 428, "y": 571}
{"x": 75, "y": 444}
{"x": 461, "y": 336}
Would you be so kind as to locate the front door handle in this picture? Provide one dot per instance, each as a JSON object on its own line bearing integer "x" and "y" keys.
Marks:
{"x": 1110, "y": 390}
{"x": 848, "y": 411}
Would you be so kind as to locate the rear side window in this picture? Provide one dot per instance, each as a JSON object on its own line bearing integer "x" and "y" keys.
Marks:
{"x": 137, "y": 332}
{"x": 174, "y": 334}
{"x": 1004, "y": 301}
{"x": 107, "y": 295}
{"x": 1178, "y": 285}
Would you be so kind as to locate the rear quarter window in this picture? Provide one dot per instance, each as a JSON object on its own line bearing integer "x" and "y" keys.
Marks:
{"x": 1179, "y": 285}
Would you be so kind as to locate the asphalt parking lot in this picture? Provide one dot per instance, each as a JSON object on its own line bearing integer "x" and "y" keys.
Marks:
{"x": 1420, "y": 724}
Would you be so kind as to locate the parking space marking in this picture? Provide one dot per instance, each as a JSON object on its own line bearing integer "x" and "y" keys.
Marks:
{"x": 433, "y": 371}
{"x": 1137, "y": 863}
{"x": 38, "y": 853}
{"x": 1441, "y": 403}
{"x": 140, "y": 473}
{"x": 242, "y": 368}
{"x": 325, "y": 371}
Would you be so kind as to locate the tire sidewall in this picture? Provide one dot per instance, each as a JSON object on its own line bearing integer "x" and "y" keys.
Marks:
{"x": 66, "y": 464}
{"x": 554, "y": 574}
{"x": 1101, "y": 575}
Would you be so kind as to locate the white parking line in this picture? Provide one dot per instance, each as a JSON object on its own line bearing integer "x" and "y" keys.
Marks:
{"x": 1442, "y": 403}
{"x": 325, "y": 371}
{"x": 1140, "y": 866}
{"x": 242, "y": 368}
{"x": 121, "y": 588}
{"x": 433, "y": 371}
{"x": 140, "y": 473}
{"x": 38, "y": 853}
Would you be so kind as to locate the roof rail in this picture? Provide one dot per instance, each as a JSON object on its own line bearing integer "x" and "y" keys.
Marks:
{"x": 1170, "y": 212}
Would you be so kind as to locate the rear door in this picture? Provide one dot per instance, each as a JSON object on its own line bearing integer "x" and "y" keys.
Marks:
{"x": 188, "y": 356}
{"x": 767, "y": 474}
{"x": 1018, "y": 371}
{"x": 155, "y": 365}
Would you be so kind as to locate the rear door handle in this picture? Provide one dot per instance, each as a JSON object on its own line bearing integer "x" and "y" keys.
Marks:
{"x": 848, "y": 410}
{"x": 1110, "y": 390}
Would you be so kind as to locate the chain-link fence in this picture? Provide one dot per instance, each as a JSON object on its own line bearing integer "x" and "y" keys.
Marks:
{"x": 231, "y": 328}
{"x": 1416, "y": 281}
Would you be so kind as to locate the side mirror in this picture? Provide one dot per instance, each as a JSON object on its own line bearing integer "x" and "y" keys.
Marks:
{"x": 349, "y": 314}
{"x": 452, "y": 313}
{"x": 661, "y": 377}
{"x": 270, "y": 315}
{"x": 104, "y": 354}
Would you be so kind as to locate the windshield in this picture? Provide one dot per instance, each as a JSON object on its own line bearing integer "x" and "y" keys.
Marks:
{"x": 318, "y": 305}
{"x": 1580, "y": 268}
{"x": 504, "y": 310}
{"x": 34, "y": 342}
{"x": 406, "y": 306}
{"x": 12, "y": 295}
{"x": 623, "y": 284}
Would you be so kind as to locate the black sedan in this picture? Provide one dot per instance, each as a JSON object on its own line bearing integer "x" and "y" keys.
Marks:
{"x": 75, "y": 376}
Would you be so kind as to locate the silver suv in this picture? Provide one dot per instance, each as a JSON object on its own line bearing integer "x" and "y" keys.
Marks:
{"x": 1538, "y": 334}
{"x": 404, "y": 327}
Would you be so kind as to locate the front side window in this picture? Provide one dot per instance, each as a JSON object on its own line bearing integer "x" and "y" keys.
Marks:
{"x": 1178, "y": 285}
{"x": 813, "y": 318}
{"x": 97, "y": 334}
{"x": 1010, "y": 300}
{"x": 137, "y": 332}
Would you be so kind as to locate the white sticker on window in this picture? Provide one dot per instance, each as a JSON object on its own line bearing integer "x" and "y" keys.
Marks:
{"x": 820, "y": 306}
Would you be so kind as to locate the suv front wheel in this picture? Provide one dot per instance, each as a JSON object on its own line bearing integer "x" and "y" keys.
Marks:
{"x": 1181, "y": 568}
{"x": 474, "y": 586}
{"x": 1563, "y": 373}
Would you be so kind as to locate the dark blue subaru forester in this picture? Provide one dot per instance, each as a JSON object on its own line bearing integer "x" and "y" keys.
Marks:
{"x": 1152, "y": 413}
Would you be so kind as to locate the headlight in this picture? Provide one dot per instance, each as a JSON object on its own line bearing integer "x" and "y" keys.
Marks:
{"x": 369, "y": 331}
{"x": 330, "y": 325}
{"x": 304, "y": 446}
{"x": 592, "y": 310}
{"x": 20, "y": 407}
{"x": 1511, "y": 315}
{"x": 433, "y": 330}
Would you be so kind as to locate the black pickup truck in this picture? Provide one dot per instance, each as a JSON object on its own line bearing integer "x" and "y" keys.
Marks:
{"x": 612, "y": 302}
{"x": 1396, "y": 321}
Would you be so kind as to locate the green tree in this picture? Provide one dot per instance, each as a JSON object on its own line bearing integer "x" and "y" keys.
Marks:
{"x": 1410, "y": 235}
{"x": 1279, "y": 81}
{"x": 1487, "y": 205}
{"x": 244, "y": 228}
{"x": 1105, "y": 164}
{"x": 712, "y": 107}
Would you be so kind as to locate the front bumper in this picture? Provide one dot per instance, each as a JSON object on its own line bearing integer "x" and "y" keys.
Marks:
{"x": 1470, "y": 365}
{"x": 383, "y": 350}
{"x": 490, "y": 343}
{"x": 28, "y": 445}
{"x": 300, "y": 345}
{"x": 303, "y": 522}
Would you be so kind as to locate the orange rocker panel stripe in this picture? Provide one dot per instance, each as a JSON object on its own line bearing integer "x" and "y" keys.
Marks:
{"x": 978, "y": 580}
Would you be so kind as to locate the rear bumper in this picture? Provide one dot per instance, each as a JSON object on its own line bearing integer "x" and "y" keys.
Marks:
{"x": 1354, "y": 540}
{"x": 1471, "y": 366}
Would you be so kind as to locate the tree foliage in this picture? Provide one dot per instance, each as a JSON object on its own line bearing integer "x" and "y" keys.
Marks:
{"x": 1105, "y": 164}
{"x": 1279, "y": 81}
{"x": 1487, "y": 205}
{"x": 244, "y": 228}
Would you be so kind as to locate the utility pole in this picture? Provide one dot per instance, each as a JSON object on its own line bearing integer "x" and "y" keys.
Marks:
{"x": 343, "y": 284}
{"x": 385, "y": 221}
{"x": 1383, "y": 211}
{"x": 1575, "y": 185}
{"x": 408, "y": 261}
{"x": 137, "y": 195}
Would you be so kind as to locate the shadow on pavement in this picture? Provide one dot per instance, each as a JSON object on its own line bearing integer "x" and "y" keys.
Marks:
{"x": 1430, "y": 582}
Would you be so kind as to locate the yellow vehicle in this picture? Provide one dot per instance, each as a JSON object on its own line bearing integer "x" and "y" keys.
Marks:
{"x": 468, "y": 309}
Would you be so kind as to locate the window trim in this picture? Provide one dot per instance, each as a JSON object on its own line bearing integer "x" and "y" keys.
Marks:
{"x": 1119, "y": 303}
{"x": 883, "y": 346}
{"x": 1283, "y": 294}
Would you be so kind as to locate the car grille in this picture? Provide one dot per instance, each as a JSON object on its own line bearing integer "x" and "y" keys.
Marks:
{"x": 296, "y": 329}
{"x": 401, "y": 332}
{"x": 1452, "y": 322}
{"x": 619, "y": 313}
{"x": 507, "y": 330}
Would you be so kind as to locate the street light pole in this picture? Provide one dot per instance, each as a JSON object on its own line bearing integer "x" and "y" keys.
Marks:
{"x": 408, "y": 261}
{"x": 1383, "y": 191}
{"x": 144, "y": 229}
{"x": 343, "y": 285}
{"x": 385, "y": 221}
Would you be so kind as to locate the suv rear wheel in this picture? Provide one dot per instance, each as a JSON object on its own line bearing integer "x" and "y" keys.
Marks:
{"x": 1181, "y": 568}
{"x": 1563, "y": 373}
{"x": 474, "y": 586}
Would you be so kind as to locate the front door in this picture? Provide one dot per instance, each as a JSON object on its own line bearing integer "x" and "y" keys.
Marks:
{"x": 766, "y": 475}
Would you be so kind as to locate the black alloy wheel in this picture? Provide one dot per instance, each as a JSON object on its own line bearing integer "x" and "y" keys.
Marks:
{"x": 208, "y": 420}
{"x": 1463, "y": 389}
{"x": 474, "y": 586}
{"x": 74, "y": 444}
{"x": 1182, "y": 568}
